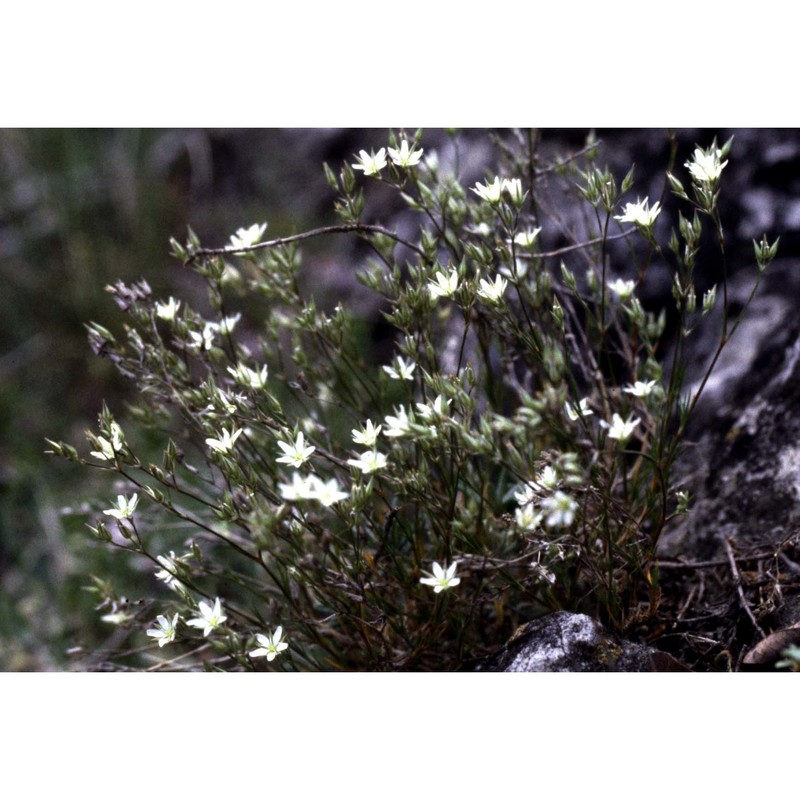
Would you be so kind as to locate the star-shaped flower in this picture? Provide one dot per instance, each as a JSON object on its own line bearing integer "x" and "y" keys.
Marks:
{"x": 620, "y": 429}
{"x": 706, "y": 166}
{"x": 368, "y": 462}
{"x": 640, "y": 213}
{"x": 371, "y": 163}
{"x": 403, "y": 370}
{"x": 296, "y": 453}
{"x": 165, "y": 632}
{"x": 124, "y": 508}
{"x": 226, "y": 441}
{"x": 493, "y": 292}
{"x": 443, "y": 577}
{"x": 406, "y": 156}
{"x": 247, "y": 237}
{"x": 490, "y": 192}
{"x": 368, "y": 436}
{"x": 640, "y": 388}
{"x": 444, "y": 285}
{"x": 270, "y": 646}
{"x": 210, "y": 618}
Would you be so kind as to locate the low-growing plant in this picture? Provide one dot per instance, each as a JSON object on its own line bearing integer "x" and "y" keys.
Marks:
{"x": 515, "y": 455}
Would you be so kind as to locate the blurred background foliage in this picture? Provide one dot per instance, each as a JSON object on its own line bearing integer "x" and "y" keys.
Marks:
{"x": 80, "y": 209}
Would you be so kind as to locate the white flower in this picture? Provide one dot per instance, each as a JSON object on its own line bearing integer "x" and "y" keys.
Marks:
{"x": 436, "y": 410}
{"x": 124, "y": 508}
{"x": 525, "y": 495}
{"x": 168, "y": 310}
{"x": 368, "y": 462}
{"x": 559, "y": 509}
{"x": 514, "y": 188}
{"x": 210, "y": 618}
{"x": 296, "y": 453}
{"x": 527, "y": 238}
{"x": 620, "y": 429}
{"x": 225, "y": 442}
{"x": 528, "y": 518}
{"x": 117, "y": 617}
{"x": 204, "y": 340}
{"x": 639, "y": 213}
{"x": 371, "y": 164}
{"x": 406, "y": 156}
{"x": 404, "y": 369}
{"x": 247, "y": 237}
{"x": 706, "y": 166}
{"x": 271, "y": 646}
{"x": 368, "y": 436}
{"x": 165, "y": 632}
{"x": 493, "y": 292}
{"x": 229, "y": 323}
{"x": 442, "y": 578}
{"x": 623, "y": 289}
{"x": 640, "y": 388}
{"x": 299, "y": 489}
{"x": 444, "y": 285}
{"x": 575, "y": 412}
{"x": 547, "y": 479}
{"x": 249, "y": 377}
{"x": 490, "y": 192}
{"x": 326, "y": 492}
{"x": 169, "y": 572}
{"x": 399, "y": 425}
{"x": 109, "y": 448}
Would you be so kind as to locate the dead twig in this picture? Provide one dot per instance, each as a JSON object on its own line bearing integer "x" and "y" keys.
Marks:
{"x": 737, "y": 581}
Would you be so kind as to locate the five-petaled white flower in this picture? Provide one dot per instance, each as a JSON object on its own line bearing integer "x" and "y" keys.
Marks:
{"x": 368, "y": 436}
{"x": 247, "y": 237}
{"x": 403, "y": 370}
{"x": 622, "y": 289}
{"x": 168, "y": 310}
{"x": 169, "y": 571}
{"x": 406, "y": 156}
{"x": 226, "y": 441}
{"x": 109, "y": 448}
{"x": 490, "y": 192}
{"x": 640, "y": 388}
{"x": 204, "y": 340}
{"x": 125, "y": 507}
{"x": 442, "y": 578}
{"x": 165, "y": 632}
{"x": 640, "y": 213}
{"x": 620, "y": 429}
{"x": 514, "y": 188}
{"x": 228, "y": 324}
{"x": 296, "y": 453}
{"x": 249, "y": 377}
{"x": 368, "y": 462}
{"x": 706, "y": 166}
{"x": 493, "y": 292}
{"x": 301, "y": 488}
{"x": 527, "y": 517}
{"x": 371, "y": 163}
{"x": 527, "y": 238}
{"x": 210, "y": 618}
{"x": 547, "y": 479}
{"x": 444, "y": 285}
{"x": 559, "y": 509}
{"x": 436, "y": 410}
{"x": 575, "y": 412}
{"x": 327, "y": 493}
{"x": 271, "y": 646}
{"x": 399, "y": 425}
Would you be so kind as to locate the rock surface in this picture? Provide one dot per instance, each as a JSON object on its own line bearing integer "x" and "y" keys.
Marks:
{"x": 564, "y": 642}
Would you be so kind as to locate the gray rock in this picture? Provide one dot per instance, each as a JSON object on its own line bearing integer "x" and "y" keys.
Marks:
{"x": 565, "y": 642}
